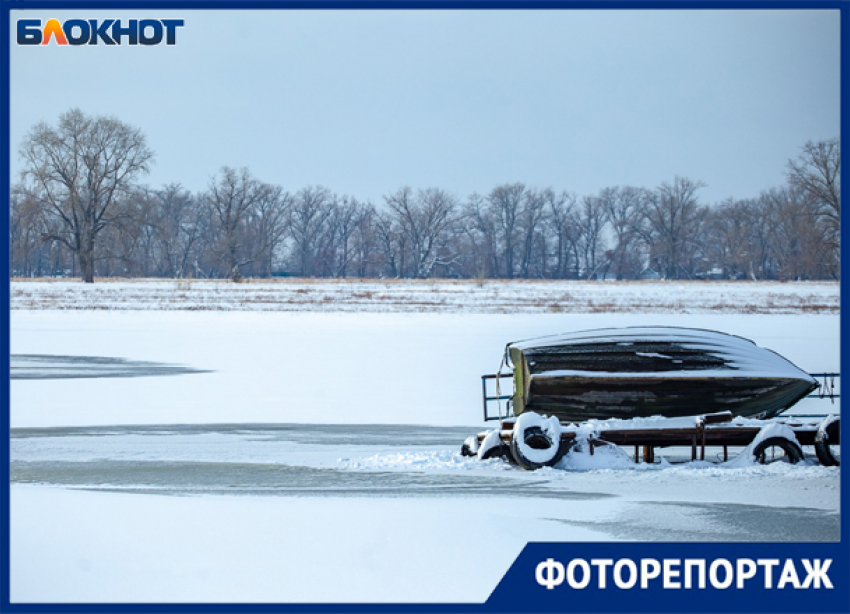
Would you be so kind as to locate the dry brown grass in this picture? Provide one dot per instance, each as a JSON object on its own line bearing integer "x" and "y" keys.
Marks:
{"x": 471, "y": 295}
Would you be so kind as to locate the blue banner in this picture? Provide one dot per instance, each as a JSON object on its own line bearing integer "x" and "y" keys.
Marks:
{"x": 676, "y": 577}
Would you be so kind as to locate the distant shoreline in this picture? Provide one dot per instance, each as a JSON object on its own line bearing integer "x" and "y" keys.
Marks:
{"x": 429, "y": 296}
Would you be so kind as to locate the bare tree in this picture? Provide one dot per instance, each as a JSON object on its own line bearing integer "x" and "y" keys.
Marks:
{"x": 129, "y": 243}
{"x": 178, "y": 227}
{"x": 673, "y": 214}
{"x": 268, "y": 224}
{"x": 29, "y": 254}
{"x": 79, "y": 204}
{"x": 365, "y": 239}
{"x": 77, "y": 171}
{"x": 393, "y": 243}
{"x": 796, "y": 244}
{"x": 505, "y": 204}
{"x": 590, "y": 219}
{"x": 817, "y": 173}
{"x": 623, "y": 207}
{"x": 530, "y": 218}
{"x": 347, "y": 215}
{"x": 480, "y": 231}
{"x": 562, "y": 224}
{"x": 311, "y": 208}
{"x": 424, "y": 221}
{"x": 233, "y": 198}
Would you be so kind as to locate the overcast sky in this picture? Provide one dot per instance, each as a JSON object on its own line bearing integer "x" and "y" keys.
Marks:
{"x": 364, "y": 102}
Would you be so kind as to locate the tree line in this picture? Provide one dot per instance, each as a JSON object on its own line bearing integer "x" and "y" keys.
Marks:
{"x": 79, "y": 209}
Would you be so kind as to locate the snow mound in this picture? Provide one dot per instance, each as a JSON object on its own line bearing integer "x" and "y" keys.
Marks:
{"x": 774, "y": 429}
{"x": 491, "y": 440}
{"x": 420, "y": 461}
{"x": 606, "y": 457}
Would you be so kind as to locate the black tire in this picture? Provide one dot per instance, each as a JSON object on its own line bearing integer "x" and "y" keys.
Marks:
{"x": 500, "y": 451}
{"x": 470, "y": 446}
{"x": 792, "y": 452}
{"x": 828, "y": 435}
{"x": 536, "y": 438}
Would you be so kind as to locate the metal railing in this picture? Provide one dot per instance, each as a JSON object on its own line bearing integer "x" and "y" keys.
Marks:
{"x": 494, "y": 398}
{"x": 827, "y": 389}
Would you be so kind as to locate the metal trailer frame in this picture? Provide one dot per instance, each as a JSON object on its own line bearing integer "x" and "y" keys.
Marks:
{"x": 708, "y": 430}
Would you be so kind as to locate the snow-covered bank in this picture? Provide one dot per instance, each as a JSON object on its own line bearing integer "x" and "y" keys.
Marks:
{"x": 431, "y": 296}
{"x": 323, "y": 368}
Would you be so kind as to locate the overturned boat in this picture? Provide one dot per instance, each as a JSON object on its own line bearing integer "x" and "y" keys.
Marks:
{"x": 649, "y": 371}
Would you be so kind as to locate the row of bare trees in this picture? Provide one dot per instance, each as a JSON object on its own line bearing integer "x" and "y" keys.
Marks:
{"x": 79, "y": 210}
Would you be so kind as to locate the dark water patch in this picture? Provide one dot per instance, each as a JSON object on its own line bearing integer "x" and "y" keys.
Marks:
{"x": 317, "y": 434}
{"x": 181, "y": 478}
{"x": 718, "y": 522}
{"x": 47, "y": 366}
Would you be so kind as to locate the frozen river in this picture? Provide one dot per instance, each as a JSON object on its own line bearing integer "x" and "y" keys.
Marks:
{"x": 272, "y": 460}
{"x": 414, "y": 462}
{"x": 228, "y": 456}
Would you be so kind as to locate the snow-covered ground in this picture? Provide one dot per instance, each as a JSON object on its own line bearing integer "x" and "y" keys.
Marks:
{"x": 312, "y": 456}
{"x": 431, "y": 296}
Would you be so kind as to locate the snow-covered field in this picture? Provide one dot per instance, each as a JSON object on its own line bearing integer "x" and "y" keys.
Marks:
{"x": 431, "y": 296}
{"x": 310, "y": 454}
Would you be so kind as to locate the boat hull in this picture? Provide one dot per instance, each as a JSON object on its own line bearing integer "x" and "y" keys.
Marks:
{"x": 641, "y": 372}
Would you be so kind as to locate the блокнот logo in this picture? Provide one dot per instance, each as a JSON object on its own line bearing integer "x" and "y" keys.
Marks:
{"x": 93, "y": 31}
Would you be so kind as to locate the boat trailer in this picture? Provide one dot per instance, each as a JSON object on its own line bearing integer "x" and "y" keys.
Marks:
{"x": 531, "y": 440}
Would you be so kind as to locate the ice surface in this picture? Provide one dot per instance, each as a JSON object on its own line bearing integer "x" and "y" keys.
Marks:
{"x": 322, "y": 368}
{"x": 323, "y": 445}
{"x": 262, "y": 508}
{"x": 89, "y": 547}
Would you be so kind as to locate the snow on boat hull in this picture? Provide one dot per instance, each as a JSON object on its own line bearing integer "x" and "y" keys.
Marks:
{"x": 640, "y": 372}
